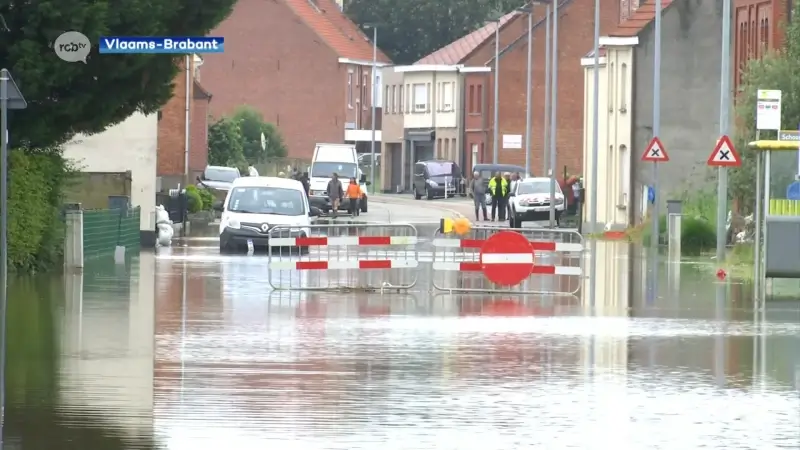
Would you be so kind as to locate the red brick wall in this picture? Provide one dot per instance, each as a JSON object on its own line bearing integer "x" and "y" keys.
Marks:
{"x": 276, "y": 64}
{"x": 576, "y": 36}
{"x": 198, "y": 139}
{"x": 171, "y": 130}
{"x": 758, "y": 27}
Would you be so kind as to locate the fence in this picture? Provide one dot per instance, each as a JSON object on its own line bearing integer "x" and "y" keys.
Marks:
{"x": 105, "y": 229}
{"x": 330, "y": 257}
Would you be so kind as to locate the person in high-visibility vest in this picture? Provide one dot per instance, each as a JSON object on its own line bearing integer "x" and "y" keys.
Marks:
{"x": 498, "y": 188}
{"x": 354, "y": 194}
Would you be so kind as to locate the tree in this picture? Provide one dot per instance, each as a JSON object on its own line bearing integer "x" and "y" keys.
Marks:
{"x": 252, "y": 125}
{"x": 411, "y": 29}
{"x": 225, "y": 143}
{"x": 68, "y": 98}
{"x": 776, "y": 70}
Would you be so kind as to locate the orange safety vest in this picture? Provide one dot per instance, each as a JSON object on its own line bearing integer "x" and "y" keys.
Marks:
{"x": 353, "y": 191}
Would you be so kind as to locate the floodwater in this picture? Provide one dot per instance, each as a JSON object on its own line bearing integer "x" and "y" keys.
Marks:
{"x": 189, "y": 349}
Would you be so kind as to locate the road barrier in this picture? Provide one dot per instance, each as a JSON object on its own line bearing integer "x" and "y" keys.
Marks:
{"x": 343, "y": 256}
{"x": 505, "y": 260}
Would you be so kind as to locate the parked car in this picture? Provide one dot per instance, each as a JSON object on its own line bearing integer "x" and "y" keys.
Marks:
{"x": 530, "y": 201}
{"x": 365, "y": 159}
{"x": 488, "y": 170}
{"x": 218, "y": 180}
{"x": 438, "y": 178}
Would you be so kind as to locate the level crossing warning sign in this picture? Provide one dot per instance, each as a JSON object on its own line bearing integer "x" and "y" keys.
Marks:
{"x": 724, "y": 155}
{"x": 655, "y": 152}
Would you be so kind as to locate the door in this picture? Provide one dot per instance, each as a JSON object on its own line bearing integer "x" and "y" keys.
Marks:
{"x": 396, "y": 166}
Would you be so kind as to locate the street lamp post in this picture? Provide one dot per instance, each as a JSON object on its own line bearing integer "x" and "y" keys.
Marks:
{"x": 496, "y": 143}
{"x": 374, "y": 91}
{"x": 528, "y": 9}
{"x": 553, "y": 115}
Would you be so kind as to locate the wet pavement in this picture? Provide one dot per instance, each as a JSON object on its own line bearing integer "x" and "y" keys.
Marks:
{"x": 196, "y": 349}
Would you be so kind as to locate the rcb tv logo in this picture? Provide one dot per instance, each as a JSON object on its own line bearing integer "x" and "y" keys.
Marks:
{"x": 72, "y": 46}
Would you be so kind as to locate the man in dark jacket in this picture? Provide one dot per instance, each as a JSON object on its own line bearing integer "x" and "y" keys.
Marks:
{"x": 335, "y": 192}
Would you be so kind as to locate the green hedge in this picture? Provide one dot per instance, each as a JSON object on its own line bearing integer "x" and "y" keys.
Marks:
{"x": 35, "y": 225}
{"x": 697, "y": 235}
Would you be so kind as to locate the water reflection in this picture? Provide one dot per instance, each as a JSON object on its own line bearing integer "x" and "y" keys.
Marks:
{"x": 237, "y": 364}
{"x": 79, "y": 371}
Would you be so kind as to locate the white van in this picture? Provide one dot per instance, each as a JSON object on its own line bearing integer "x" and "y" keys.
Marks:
{"x": 342, "y": 160}
{"x": 254, "y": 205}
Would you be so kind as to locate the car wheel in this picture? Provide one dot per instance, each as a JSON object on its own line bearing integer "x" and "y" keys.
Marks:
{"x": 428, "y": 193}
{"x": 417, "y": 195}
{"x": 364, "y": 204}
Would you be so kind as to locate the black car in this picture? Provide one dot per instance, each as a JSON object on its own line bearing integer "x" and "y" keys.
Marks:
{"x": 437, "y": 178}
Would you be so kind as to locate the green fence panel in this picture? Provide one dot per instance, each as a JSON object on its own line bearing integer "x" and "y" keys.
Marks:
{"x": 105, "y": 229}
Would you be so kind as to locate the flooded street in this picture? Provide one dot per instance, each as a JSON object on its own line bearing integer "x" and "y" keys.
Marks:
{"x": 229, "y": 363}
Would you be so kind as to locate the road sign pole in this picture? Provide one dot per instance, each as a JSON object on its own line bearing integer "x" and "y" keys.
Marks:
{"x": 724, "y": 113}
{"x": 656, "y": 120}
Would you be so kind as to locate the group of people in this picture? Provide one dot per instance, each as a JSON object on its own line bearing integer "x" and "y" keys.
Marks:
{"x": 499, "y": 189}
{"x": 337, "y": 193}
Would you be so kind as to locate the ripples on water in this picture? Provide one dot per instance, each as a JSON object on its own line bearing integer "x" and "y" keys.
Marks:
{"x": 405, "y": 382}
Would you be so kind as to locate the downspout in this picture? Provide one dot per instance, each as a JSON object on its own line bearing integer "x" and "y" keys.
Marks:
{"x": 462, "y": 124}
{"x": 186, "y": 179}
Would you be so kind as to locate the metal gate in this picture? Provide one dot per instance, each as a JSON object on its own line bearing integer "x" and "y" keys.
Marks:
{"x": 557, "y": 262}
{"x": 343, "y": 256}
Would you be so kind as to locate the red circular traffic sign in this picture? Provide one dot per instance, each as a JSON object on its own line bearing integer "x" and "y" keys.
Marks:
{"x": 507, "y": 258}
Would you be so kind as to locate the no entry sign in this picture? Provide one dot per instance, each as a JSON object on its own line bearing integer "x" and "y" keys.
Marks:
{"x": 507, "y": 258}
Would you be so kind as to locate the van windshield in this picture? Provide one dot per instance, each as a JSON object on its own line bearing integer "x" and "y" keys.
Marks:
{"x": 327, "y": 169}
{"x": 440, "y": 169}
{"x": 267, "y": 200}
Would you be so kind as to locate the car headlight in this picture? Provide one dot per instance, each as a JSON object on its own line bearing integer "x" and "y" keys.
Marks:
{"x": 233, "y": 223}
{"x": 433, "y": 183}
{"x": 317, "y": 192}
{"x": 559, "y": 201}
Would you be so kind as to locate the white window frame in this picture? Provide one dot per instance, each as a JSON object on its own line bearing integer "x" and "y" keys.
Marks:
{"x": 447, "y": 96}
{"x": 350, "y": 89}
{"x": 420, "y": 97}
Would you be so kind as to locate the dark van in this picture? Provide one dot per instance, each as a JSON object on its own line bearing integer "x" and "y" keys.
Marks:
{"x": 488, "y": 170}
{"x": 437, "y": 178}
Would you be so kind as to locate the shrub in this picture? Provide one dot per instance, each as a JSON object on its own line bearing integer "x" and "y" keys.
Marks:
{"x": 207, "y": 198}
{"x": 697, "y": 235}
{"x": 35, "y": 227}
{"x": 193, "y": 198}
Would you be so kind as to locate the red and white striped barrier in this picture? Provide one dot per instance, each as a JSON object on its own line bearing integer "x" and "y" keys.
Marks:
{"x": 342, "y": 241}
{"x": 508, "y": 258}
{"x": 345, "y": 264}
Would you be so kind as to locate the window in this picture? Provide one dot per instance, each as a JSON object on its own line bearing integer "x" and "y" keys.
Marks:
{"x": 479, "y": 106}
{"x": 407, "y": 98}
{"x": 447, "y": 97}
{"x": 623, "y": 95}
{"x": 378, "y": 91}
{"x": 226, "y": 174}
{"x": 420, "y": 97}
{"x": 471, "y": 106}
{"x": 394, "y": 98}
{"x": 350, "y": 89}
{"x": 327, "y": 169}
{"x": 389, "y": 100}
{"x": 267, "y": 200}
{"x": 430, "y": 97}
{"x": 401, "y": 98}
{"x": 536, "y": 187}
{"x": 624, "y": 178}
{"x": 439, "y": 148}
{"x": 364, "y": 90}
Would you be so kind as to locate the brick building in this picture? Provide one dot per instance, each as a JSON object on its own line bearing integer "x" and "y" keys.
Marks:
{"x": 172, "y": 128}
{"x": 302, "y": 63}
{"x": 576, "y": 33}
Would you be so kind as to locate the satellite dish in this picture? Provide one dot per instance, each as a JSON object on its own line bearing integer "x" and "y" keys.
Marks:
{"x": 263, "y": 141}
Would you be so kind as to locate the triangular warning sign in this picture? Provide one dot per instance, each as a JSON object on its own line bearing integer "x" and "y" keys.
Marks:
{"x": 655, "y": 151}
{"x": 724, "y": 155}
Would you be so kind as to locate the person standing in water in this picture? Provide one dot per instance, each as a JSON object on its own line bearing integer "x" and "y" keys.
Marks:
{"x": 479, "y": 195}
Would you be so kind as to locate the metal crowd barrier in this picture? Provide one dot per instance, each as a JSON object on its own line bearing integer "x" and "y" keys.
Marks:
{"x": 343, "y": 257}
{"x": 557, "y": 262}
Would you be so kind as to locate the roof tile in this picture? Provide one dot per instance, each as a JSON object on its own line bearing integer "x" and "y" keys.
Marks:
{"x": 639, "y": 20}
{"x": 326, "y": 19}
{"x": 459, "y": 50}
